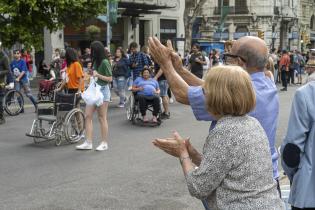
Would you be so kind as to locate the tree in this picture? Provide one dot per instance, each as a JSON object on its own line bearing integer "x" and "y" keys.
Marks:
{"x": 23, "y": 21}
{"x": 189, "y": 18}
{"x": 93, "y": 32}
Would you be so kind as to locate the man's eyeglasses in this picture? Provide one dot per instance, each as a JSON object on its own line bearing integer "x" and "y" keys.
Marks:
{"x": 17, "y": 53}
{"x": 231, "y": 58}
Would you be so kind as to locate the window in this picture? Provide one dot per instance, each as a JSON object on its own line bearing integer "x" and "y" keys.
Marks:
{"x": 240, "y": 3}
{"x": 168, "y": 26}
{"x": 225, "y": 3}
{"x": 241, "y": 29}
{"x": 312, "y": 25}
{"x": 241, "y": 7}
{"x": 168, "y": 30}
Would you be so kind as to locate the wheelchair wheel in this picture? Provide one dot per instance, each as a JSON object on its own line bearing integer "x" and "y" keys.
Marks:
{"x": 130, "y": 106}
{"x": 58, "y": 141}
{"x": 74, "y": 125}
{"x": 36, "y": 132}
{"x": 13, "y": 102}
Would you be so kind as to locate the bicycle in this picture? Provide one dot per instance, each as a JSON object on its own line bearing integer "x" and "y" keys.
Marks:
{"x": 13, "y": 101}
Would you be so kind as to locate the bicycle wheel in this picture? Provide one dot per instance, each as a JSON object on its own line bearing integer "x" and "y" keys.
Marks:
{"x": 74, "y": 125}
{"x": 13, "y": 102}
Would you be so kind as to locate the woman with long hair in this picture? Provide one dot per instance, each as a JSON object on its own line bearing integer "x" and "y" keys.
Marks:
{"x": 103, "y": 74}
{"x": 120, "y": 74}
{"x": 74, "y": 73}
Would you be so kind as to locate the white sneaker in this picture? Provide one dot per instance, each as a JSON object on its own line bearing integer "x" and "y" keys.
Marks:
{"x": 85, "y": 146}
{"x": 103, "y": 146}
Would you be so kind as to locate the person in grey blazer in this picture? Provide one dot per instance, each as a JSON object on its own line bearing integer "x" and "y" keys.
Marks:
{"x": 298, "y": 147}
{"x": 234, "y": 170}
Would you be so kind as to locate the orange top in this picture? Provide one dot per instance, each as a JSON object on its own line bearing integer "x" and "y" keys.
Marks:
{"x": 74, "y": 73}
{"x": 284, "y": 61}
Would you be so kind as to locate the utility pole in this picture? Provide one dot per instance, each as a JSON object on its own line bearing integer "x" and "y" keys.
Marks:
{"x": 221, "y": 25}
{"x": 108, "y": 27}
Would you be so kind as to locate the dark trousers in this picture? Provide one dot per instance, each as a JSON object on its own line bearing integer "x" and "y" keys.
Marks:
{"x": 144, "y": 101}
{"x": 291, "y": 76}
{"x": 284, "y": 79}
{"x": 294, "y": 208}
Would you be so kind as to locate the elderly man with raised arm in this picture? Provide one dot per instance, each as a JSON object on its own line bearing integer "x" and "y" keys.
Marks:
{"x": 248, "y": 52}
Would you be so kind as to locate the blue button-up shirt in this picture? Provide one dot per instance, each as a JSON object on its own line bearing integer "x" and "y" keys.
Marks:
{"x": 141, "y": 60}
{"x": 266, "y": 110}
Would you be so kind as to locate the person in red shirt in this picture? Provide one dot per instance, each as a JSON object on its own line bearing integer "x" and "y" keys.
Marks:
{"x": 28, "y": 59}
{"x": 284, "y": 68}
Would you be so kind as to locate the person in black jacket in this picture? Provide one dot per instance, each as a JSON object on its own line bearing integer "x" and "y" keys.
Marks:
{"x": 120, "y": 75}
{"x": 4, "y": 70}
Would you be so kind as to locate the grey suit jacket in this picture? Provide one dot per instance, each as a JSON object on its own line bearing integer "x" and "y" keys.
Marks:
{"x": 298, "y": 148}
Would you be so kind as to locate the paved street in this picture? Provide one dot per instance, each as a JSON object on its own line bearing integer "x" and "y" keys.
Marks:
{"x": 132, "y": 174}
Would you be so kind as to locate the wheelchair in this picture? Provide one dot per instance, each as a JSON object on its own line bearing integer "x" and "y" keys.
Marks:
{"x": 46, "y": 89}
{"x": 58, "y": 120}
{"x": 134, "y": 115}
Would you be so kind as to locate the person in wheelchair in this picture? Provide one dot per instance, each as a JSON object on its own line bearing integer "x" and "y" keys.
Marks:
{"x": 147, "y": 92}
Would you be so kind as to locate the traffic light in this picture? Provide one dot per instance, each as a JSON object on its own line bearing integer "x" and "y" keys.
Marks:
{"x": 261, "y": 34}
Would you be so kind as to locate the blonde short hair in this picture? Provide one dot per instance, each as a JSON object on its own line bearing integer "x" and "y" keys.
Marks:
{"x": 229, "y": 91}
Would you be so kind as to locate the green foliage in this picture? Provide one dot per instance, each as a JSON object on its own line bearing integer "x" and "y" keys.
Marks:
{"x": 93, "y": 32}
{"x": 24, "y": 20}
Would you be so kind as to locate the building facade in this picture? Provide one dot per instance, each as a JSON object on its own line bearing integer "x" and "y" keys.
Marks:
{"x": 283, "y": 24}
{"x": 137, "y": 20}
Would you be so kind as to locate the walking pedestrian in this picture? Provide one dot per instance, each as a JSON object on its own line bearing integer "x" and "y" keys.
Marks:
{"x": 138, "y": 60}
{"x": 269, "y": 70}
{"x": 196, "y": 61}
{"x": 284, "y": 64}
{"x": 120, "y": 75}
{"x": 164, "y": 87}
{"x": 275, "y": 60}
{"x": 19, "y": 71}
{"x": 103, "y": 73}
{"x": 86, "y": 58}
{"x": 234, "y": 170}
{"x": 292, "y": 67}
{"x": 27, "y": 57}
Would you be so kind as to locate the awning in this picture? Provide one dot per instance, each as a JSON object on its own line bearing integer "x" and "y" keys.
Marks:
{"x": 136, "y": 9}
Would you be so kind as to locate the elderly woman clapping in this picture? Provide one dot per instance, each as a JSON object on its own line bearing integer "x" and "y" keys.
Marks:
{"x": 234, "y": 170}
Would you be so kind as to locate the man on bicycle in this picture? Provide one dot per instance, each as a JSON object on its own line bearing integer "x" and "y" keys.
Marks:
{"x": 19, "y": 71}
{"x": 4, "y": 70}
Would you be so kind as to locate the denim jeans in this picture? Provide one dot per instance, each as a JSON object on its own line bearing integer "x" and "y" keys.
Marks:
{"x": 106, "y": 93}
{"x": 276, "y": 75}
{"x": 27, "y": 90}
{"x": 119, "y": 84}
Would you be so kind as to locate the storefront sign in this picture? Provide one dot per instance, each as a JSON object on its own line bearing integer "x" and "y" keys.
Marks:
{"x": 223, "y": 36}
{"x": 238, "y": 35}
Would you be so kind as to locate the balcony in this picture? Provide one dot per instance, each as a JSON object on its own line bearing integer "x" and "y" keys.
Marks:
{"x": 236, "y": 10}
